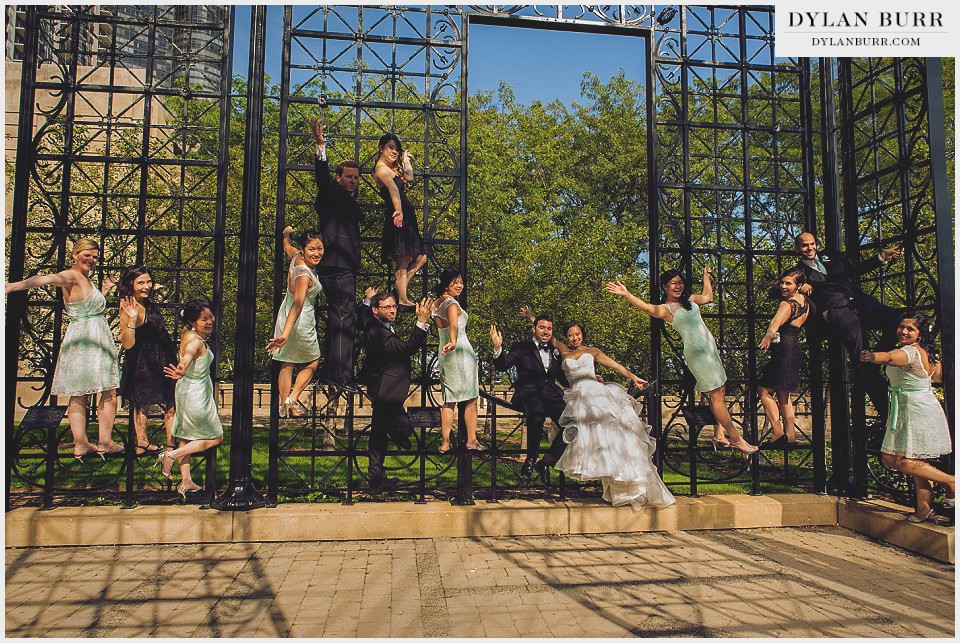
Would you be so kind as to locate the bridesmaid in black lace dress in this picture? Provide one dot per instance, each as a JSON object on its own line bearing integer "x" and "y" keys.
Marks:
{"x": 402, "y": 242}
{"x": 147, "y": 349}
{"x": 781, "y": 377}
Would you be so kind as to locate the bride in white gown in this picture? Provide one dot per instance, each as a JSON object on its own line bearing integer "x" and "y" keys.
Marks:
{"x": 606, "y": 438}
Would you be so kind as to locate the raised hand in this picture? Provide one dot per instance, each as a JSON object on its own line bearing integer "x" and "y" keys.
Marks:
{"x": 892, "y": 253}
{"x": 617, "y": 288}
{"x": 174, "y": 372}
{"x": 130, "y": 307}
{"x": 317, "y": 128}
{"x": 369, "y": 292}
{"x": 423, "y": 310}
{"x": 495, "y": 337}
{"x": 526, "y": 312}
{"x": 707, "y": 272}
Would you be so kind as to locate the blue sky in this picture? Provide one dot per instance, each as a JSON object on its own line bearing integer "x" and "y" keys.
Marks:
{"x": 538, "y": 63}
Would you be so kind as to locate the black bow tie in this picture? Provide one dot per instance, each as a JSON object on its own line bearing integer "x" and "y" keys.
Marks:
{"x": 544, "y": 347}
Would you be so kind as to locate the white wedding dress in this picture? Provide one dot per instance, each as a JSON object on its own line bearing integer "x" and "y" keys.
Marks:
{"x": 607, "y": 440}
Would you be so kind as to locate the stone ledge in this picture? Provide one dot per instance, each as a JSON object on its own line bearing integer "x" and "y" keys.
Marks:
{"x": 886, "y": 521}
{"x": 63, "y": 526}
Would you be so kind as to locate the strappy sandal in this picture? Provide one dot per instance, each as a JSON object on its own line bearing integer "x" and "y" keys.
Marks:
{"x": 931, "y": 516}
{"x": 147, "y": 449}
{"x": 92, "y": 449}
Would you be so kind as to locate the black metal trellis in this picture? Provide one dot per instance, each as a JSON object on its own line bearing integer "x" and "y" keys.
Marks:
{"x": 731, "y": 170}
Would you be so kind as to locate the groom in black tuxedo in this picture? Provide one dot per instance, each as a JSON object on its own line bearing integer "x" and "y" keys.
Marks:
{"x": 387, "y": 376}
{"x": 846, "y": 309}
{"x": 535, "y": 391}
{"x": 339, "y": 216}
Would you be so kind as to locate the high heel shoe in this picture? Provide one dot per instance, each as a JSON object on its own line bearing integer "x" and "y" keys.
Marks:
{"x": 744, "y": 446}
{"x": 950, "y": 503}
{"x": 92, "y": 449}
{"x": 184, "y": 489}
{"x": 722, "y": 441}
{"x": 109, "y": 447}
{"x": 293, "y": 405}
{"x": 167, "y": 473}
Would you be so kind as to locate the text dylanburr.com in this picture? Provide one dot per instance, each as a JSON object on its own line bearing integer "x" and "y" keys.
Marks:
{"x": 844, "y": 28}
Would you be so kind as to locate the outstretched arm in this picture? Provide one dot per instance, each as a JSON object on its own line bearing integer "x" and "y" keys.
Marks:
{"x": 780, "y": 318}
{"x": 601, "y": 358}
{"x": 658, "y": 311}
{"x": 896, "y": 357}
{"x": 61, "y": 279}
{"x": 300, "y": 287}
{"x": 188, "y": 353}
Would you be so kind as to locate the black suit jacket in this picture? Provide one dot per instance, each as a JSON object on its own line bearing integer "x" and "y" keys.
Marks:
{"x": 836, "y": 288}
{"x": 338, "y": 217}
{"x": 532, "y": 378}
{"x": 387, "y": 366}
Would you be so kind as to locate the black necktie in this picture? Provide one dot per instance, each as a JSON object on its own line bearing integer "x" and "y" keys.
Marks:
{"x": 545, "y": 347}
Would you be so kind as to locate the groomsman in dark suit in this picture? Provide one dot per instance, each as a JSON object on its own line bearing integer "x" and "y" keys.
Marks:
{"x": 387, "y": 374}
{"x": 339, "y": 217}
{"x": 846, "y": 309}
{"x": 535, "y": 391}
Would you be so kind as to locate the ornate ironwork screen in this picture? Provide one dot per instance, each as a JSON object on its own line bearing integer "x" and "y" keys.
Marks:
{"x": 122, "y": 137}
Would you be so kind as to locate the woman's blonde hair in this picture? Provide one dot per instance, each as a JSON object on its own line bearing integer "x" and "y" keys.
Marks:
{"x": 85, "y": 243}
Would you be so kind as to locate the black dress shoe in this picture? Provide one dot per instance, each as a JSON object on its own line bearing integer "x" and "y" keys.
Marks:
{"x": 382, "y": 484}
{"x": 779, "y": 443}
{"x": 543, "y": 472}
{"x": 526, "y": 470}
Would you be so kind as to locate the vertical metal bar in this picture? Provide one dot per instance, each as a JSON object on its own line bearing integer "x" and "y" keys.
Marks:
{"x": 946, "y": 263}
{"x": 464, "y": 493}
{"x": 241, "y": 494}
{"x": 351, "y": 445}
{"x": 17, "y": 301}
{"x": 817, "y": 433}
{"x": 655, "y": 409}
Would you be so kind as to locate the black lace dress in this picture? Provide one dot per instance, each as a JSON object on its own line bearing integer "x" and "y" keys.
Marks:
{"x": 142, "y": 381}
{"x": 404, "y": 241}
{"x": 782, "y": 372}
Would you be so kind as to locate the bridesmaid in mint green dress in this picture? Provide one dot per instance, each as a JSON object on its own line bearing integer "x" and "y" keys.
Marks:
{"x": 917, "y": 428}
{"x": 87, "y": 363}
{"x": 458, "y": 361}
{"x": 682, "y": 311}
{"x": 196, "y": 423}
{"x": 295, "y": 333}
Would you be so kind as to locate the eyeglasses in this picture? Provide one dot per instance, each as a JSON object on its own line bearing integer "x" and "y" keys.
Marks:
{"x": 387, "y": 307}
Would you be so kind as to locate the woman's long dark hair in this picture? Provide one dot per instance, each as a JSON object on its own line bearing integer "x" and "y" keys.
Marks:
{"x": 130, "y": 274}
{"x": 386, "y": 138}
{"x": 684, "y": 296}
{"x": 925, "y": 340}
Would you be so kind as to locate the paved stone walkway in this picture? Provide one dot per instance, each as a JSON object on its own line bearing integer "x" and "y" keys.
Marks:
{"x": 797, "y": 582}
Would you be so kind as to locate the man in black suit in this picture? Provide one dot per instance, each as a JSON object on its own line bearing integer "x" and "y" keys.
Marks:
{"x": 339, "y": 217}
{"x": 387, "y": 369}
{"x": 846, "y": 309}
{"x": 535, "y": 391}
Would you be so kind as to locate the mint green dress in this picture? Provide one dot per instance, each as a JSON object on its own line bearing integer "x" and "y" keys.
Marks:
{"x": 302, "y": 346}
{"x": 458, "y": 368}
{"x": 88, "y": 360}
{"x": 196, "y": 416}
{"x": 699, "y": 347}
{"x": 916, "y": 424}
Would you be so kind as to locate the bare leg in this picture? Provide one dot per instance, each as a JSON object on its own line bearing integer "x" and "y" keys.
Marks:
{"x": 168, "y": 424}
{"x": 415, "y": 266}
{"x": 106, "y": 416}
{"x": 447, "y": 413}
{"x": 303, "y": 378}
{"x": 920, "y": 469}
{"x": 719, "y": 407}
{"x": 789, "y": 415}
{"x": 924, "y": 496}
{"x": 188, "y": 447}
{"x": 77, "y": 417}
{"x": 186, "y": 481}
{"x": 401, "y": 279}
{"x": 771, "y": 410}
{"x": 285, "y": 379}
{"x": 470, "y": 419}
